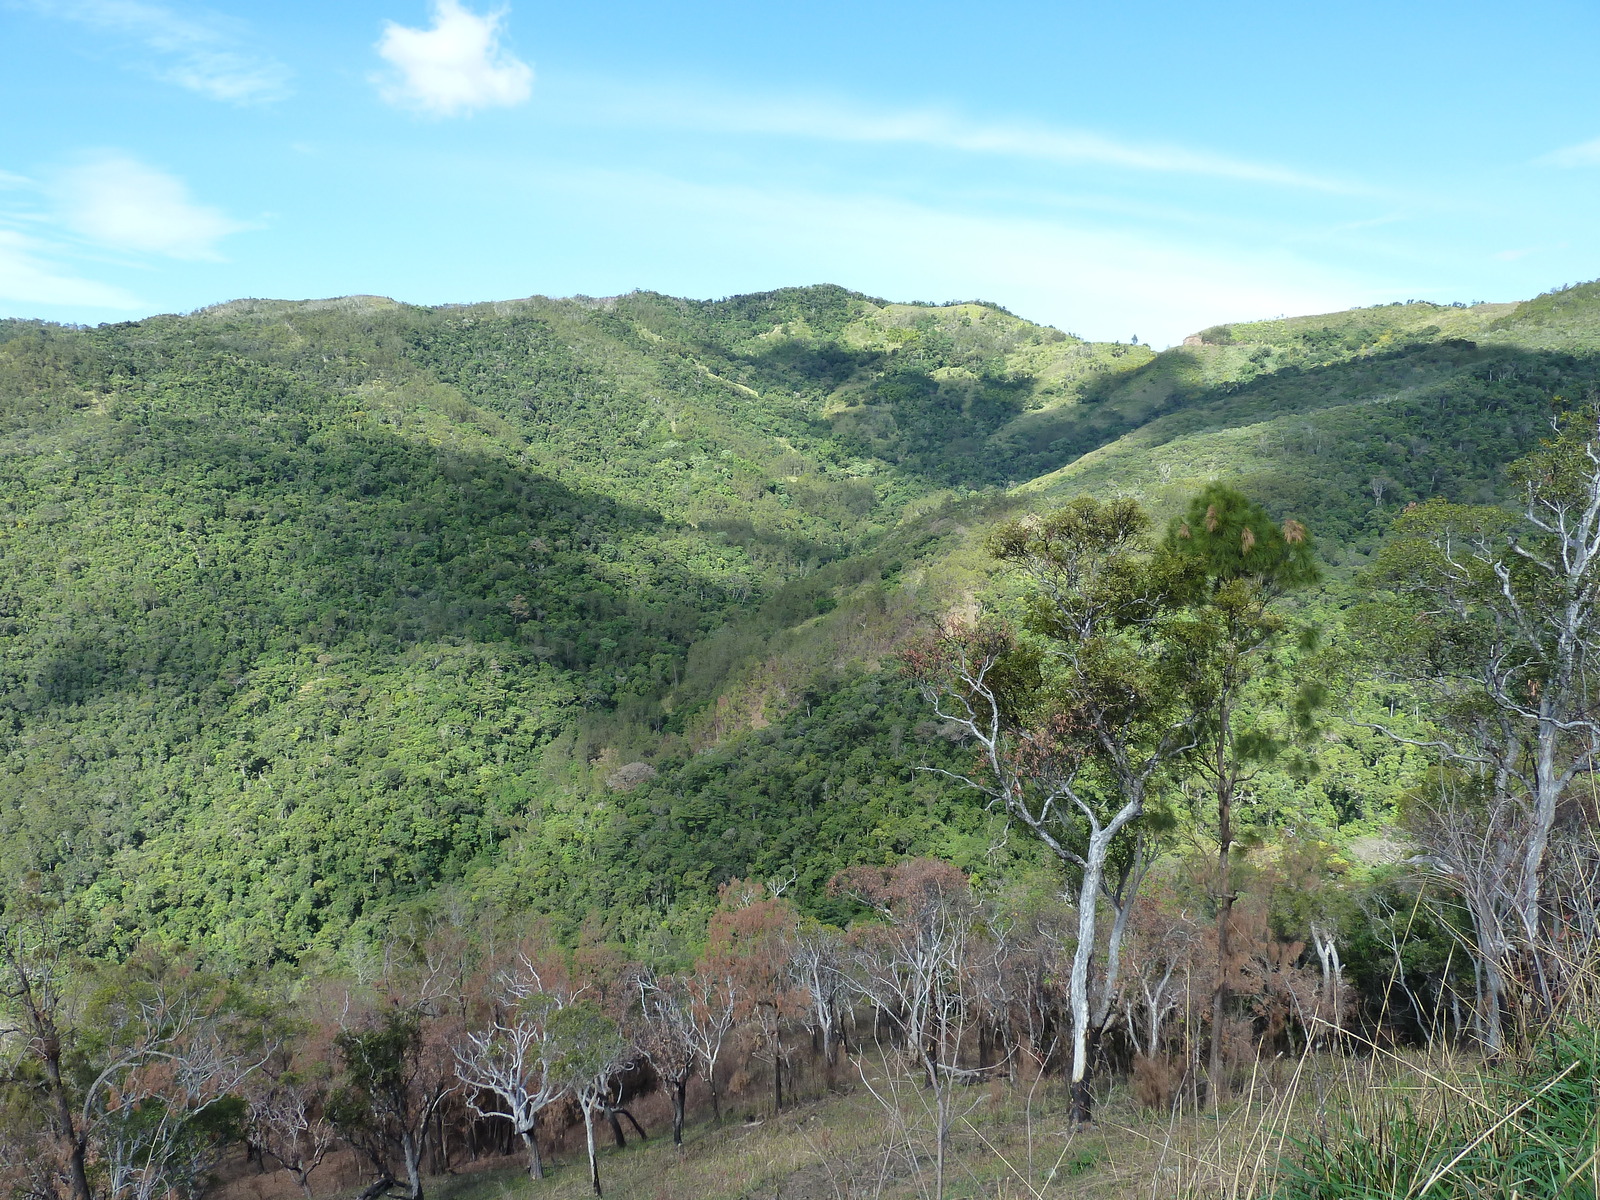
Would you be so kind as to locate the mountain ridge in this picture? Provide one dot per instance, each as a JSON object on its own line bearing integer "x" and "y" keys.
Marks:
{"x": 311, "y": 609}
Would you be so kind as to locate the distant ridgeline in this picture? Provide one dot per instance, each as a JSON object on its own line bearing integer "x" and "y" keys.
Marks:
{"x": 311, "y": 612}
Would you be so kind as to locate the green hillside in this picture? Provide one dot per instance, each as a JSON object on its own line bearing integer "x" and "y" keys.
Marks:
{"x": 309, "y": 610}
{"x": 299, "y": 597}
{"x": 1346, "y": 417}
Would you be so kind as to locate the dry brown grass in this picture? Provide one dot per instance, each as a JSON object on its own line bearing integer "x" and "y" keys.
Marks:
{"x": 1004, "y": 1145}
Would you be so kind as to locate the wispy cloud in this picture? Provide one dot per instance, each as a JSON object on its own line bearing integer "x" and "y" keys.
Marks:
{"x": 1093, "y": 281}
{"x": 824, "y": 120}
{"x": 29, "y": 274}
{"x": 455, "y": 66}
{"x": 1517, "y": 253}
{"x": 125, "y": 204}
{"x": 105, "y": 209}
{"x": 1585, "y": 154}
{"x": 201, "y": 51}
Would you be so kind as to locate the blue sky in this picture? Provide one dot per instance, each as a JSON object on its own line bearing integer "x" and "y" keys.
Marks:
{"x": 1130, "y": 169}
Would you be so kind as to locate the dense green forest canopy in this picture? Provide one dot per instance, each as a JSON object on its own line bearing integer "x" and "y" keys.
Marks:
{"x": 311, "y": 611}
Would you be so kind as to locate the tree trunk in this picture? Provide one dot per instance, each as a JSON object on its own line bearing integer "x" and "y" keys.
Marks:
{"x": 1121, "y": 900}
{"x": 1219, "y": 1004}
{"x": 1083, "y": 1089}
{"x": 1082, "y": 1102}
{"x": 616, "y": 1128}
{"x": 1530, "y": 882}
{"x": 77, "y": 1170}
{"x": 588, "y": 1134}
{"x": 1332, "y": 976}
{"x": 1494, "y": 991}
{"x": 412, "y": 1148}
{"x": 777, "y": 1068}
{"x": 680, "y": 1087}
{"x": 1219, "y": 998}
{"x": 1078, "y": 985}
{"x": 535, "y": 1163}
{"x": 1548, "y": 777}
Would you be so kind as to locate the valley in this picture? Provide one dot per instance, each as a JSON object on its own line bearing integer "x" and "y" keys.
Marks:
{"x": 341, "y": 638}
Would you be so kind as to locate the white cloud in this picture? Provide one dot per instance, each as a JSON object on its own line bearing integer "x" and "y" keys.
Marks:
{"x": 1586, "y": 154}
{"x": 455, "y": 66}
{"x": 830, "y": 121}
{"x": 28, "y": 277}
{"x": 200, "y": 52}
{"x": 127, "y": 205}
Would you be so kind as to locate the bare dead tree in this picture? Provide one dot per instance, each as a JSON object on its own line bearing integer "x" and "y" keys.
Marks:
{"x": 917, "y": 967}
{"x": 513, "y": 1058}
{"x": 286, "y": 1104}
{"x": 174, "y": 1047}
{"x": 710, "y": 1015}
{"x": 1474, "y": 844}
{"x": 1573, "y": 883}
{"x": 1162, "y": 949}
{"x": 1031, "y": 954}
{"x": 816, "y": 966}
{"x": 667, "y": 1036}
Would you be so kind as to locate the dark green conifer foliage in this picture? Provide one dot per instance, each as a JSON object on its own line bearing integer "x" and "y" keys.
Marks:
{"x": 1243, "y": 564}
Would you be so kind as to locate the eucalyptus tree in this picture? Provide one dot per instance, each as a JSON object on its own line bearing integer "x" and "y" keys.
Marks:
{"x": 1078, "y": 715}
{"x": 590, "y": 1052}
{"x": 1493, "y": 613}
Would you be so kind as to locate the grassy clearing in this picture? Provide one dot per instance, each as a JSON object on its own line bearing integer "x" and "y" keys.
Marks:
{"x": 1006, "y": 1146}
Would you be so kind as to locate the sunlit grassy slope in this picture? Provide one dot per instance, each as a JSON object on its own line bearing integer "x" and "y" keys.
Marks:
{"x": 1321, "y": 1126}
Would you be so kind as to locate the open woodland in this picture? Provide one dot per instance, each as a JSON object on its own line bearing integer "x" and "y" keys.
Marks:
{"x": 798, "y": 745}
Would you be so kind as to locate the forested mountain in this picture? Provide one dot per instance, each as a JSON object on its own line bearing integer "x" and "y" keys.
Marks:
{"x": 312, "y": 611}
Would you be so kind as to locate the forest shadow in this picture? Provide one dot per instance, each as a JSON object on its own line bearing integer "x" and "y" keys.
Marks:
{"x": 364, "y": 541}
{"x": 1491, "y": 374}
{"x": 898, "y": 409}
